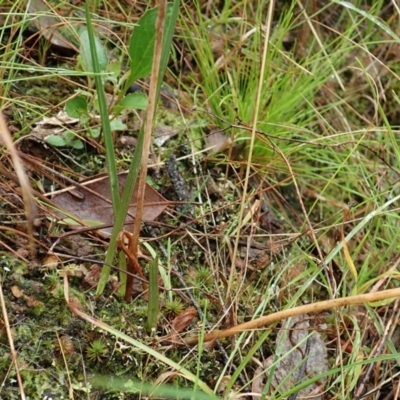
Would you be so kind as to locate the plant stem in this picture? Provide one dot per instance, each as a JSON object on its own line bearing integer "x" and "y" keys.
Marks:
{"x": 155, "y": 76}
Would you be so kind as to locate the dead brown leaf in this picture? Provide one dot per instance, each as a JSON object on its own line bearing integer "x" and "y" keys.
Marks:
{"x": 163, "y": 133}
{"x": 17, "y": 292}
{"x": 217, "y": 141}
{"x": 183, "y": 320}
{"x": 92, "y": 277}
{"x": 50, "y": 262}
{"x": 93, "y": 203}
{"x": 30, "y": 300}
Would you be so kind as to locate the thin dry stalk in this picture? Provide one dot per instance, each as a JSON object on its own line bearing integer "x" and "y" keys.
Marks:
{"x": 361, "y": 388}
{"x": 11, "y": 341}
{"x": 29, "y": 201}
{"x": 148, "y": 127}
{"x": 252, "y": 142}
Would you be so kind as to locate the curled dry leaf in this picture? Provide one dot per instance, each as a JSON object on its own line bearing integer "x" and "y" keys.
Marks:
{"x": 302, "y": 355}
{"x": 61, "y": 120}
{"x": 163, "y": 133}
{"x": 50, "y": 262}
{"x": 127, "y": 141}
{"x": 223, "y": 383}
{"x": 234, "y": 394}
{"x": 113, "y": 283}
{"x": 92, "y": 277}
{"x": 183, "y": 320}
{"x": 17, "y": 292}
{"x": 29, "y": 300}
{"x": 167, "y": 376}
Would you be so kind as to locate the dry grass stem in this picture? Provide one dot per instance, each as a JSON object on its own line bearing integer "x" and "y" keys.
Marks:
{"x": 305, "y": 309}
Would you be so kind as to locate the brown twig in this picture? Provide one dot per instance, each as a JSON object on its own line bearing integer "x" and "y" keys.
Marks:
{"x": 133, "y": 265}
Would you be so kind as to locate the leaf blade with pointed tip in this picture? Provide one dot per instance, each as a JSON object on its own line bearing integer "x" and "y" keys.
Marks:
{"x": 141, "y": 45}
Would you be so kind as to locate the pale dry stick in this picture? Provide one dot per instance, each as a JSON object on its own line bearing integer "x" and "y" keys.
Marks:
{"x": 29, "y": 201}
{"x": 148, "y": 126}
{"x": 11, "y": 342}
{"x": 394, "y": 2}
{"x": 252, "y": 142}
{"x": 396, "y": 394}
{"x": 305, "y": 309}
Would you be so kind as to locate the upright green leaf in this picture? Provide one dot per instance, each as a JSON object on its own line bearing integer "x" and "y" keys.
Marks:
{"x": 169, "y": 29}
{"x": 141, "y": 46}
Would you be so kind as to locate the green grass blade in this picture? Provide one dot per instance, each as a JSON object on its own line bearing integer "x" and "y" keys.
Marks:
{"x": 110, "y": 155}
{"x": 108, "y": 139}
{"x": 153, "y": 309}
